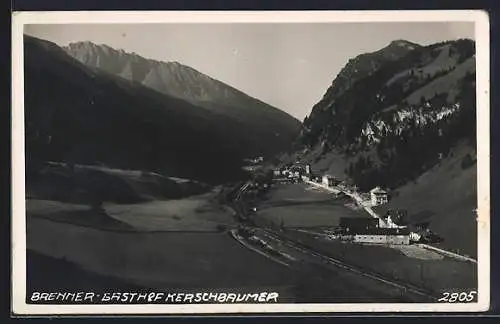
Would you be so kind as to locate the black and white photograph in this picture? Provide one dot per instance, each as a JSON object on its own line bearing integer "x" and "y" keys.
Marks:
{"x": 250, "y": 162}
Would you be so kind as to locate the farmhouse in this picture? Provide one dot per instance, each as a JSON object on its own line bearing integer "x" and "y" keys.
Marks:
{"x": 383, "y": 236}
{"x": 367, "y": 230}
{"x": 378, "y": 196}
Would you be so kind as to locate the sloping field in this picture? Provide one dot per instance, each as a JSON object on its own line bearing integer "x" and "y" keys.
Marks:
{"x": 444, "y": 83}
{"x": 183, "y": 214}
{"x": 296, "y": 192}
{"x": 195, "y": 213}
{"x": 85, "y": 184}
{"x": 307, "y": 215}
{"x": 445, "y": 196}
{"x": 299, "y": 205}
{"x": 442, "y": 62}
{"x": 417, "y": 252}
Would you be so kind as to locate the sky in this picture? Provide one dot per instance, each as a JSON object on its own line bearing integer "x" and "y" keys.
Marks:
{"x": 287, "y": 65}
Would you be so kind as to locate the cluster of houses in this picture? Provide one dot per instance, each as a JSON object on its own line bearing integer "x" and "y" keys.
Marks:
{"x": 384, "y": 230}
{"x": 377, "y": 196}
{"x": 293, "y": 173}
{"x": 298, "y": 172}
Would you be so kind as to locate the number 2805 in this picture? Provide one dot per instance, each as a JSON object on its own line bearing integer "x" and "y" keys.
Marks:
{"x": 458, "y": 297}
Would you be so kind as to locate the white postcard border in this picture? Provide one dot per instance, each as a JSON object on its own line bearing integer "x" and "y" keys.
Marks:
{"x": 19, "y": 19}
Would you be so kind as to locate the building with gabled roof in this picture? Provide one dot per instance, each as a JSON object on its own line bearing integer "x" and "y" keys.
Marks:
{"x": 379, "y": 196}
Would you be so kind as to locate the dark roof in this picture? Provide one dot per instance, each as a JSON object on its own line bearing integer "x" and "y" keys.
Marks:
{"x": 383, "y": 231}
{"x": 378, "y": 190}
{"x": 382, "y": 210}
{"x": 356, "y": 222}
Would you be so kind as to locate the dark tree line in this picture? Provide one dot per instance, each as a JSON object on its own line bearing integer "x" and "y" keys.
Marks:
{"x": 101, "y": 120}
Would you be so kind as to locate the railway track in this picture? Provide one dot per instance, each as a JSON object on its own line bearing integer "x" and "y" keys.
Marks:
{"x": 362, "y": 272}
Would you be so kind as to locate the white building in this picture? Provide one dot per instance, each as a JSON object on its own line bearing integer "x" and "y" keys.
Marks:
{"x": 328, "y": 180}
{"x": 415, "y": 237}
{"x": 390, "y": 223}
{"x": 382, "y": 239}
{"x": 383, "y": 236}
{"x": 378, "y": 196}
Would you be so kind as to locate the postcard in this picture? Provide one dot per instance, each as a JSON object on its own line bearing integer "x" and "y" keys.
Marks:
{"x": 243, "y": 162}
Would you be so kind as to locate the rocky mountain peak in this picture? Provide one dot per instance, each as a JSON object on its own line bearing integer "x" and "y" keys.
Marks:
{"x": 404, "y": 44}
{"x": 362, "y": 66}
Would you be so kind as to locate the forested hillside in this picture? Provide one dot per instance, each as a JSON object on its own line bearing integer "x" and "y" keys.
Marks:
{"x": 398, "y": 120}
{"x": 267, "y": 129}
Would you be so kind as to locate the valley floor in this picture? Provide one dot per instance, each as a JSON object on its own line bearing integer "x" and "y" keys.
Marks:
{"x": 185, "y": 243}
{"x": 127, "y": 251}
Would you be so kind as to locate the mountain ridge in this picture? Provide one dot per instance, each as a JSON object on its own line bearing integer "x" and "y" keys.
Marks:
{"x": 366, "y": 64}
{"x": 433, "y": 85}
{"x": 182, "y": 81}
